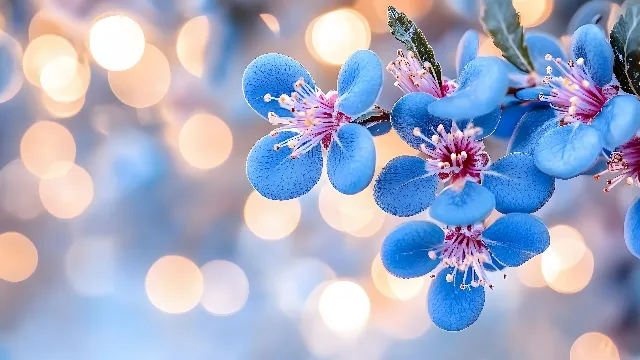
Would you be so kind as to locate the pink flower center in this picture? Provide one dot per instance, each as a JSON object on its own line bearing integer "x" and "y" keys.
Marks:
{"x": 573, "y": 94}
{"x": 455, "y": 156}
{"x": 313, "y": 116}
{"x": 412, "y": 76}
{"x": 463, "y": 251}
{"x": 625, "y": 163}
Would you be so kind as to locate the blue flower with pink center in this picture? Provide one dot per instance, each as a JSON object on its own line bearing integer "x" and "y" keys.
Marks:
{"x": 288, "y": 162}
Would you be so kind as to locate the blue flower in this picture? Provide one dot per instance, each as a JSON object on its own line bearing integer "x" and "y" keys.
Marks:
{"x": 588, "y": 113}
{"x": 458, "y": 258}
{"x": 287, "y": 163}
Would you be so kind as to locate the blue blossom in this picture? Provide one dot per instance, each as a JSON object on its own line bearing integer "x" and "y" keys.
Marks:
{"x": 288, "y": 162}
{"x": 458, "y": 258}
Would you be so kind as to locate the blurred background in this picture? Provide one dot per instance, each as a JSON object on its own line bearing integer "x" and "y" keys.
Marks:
{"x": 128, "y": 229}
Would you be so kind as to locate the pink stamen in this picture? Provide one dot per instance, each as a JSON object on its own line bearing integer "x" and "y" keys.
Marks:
{"x": 626, "y": 162}
{"x": 412, "y": 76}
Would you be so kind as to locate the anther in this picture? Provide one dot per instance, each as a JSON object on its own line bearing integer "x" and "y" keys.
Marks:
{"x": 548, "y": 57}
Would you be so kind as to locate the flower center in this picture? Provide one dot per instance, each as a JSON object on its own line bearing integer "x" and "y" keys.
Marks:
{"x": 625, "y": 162}
{"x": 573, "y": 94}
{"x": 313, "y": 117}
{"x": 412, "y": 76}
{"x": 463, "y": 251}
{"x": 455, "y": 156}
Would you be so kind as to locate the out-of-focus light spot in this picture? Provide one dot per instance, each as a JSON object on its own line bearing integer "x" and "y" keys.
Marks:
{"x": 390, "y": 146}
{"x": 44, "y": 23}
{"x": 62, "y": 110}
{"x": 64, "y": 79}
{"x": 226, "y": 287}
{"x": 19, "y": 189}
{"x": 334, "y": 36}
{"x": 90, "y": 265}
{"x": 353, "y": 214}
{"x": 174, "y": 284}
{"x": 372, "y": 227}
{"x": 270, "y": 219}
{"x": 393, "y": 287}
{"x": 41, "y": 51}
{"x": 144, "y": 84}
{"x": 205, "y": 141}
{"x": 594, "y": 346}
{"x": 271, "y": 22}
{"x": 11, "y": 78}
{"x": 117, "y": 42}
{"x": 570, "y": 280}
{"x": 376, "y": 11}
{"x": 614, "y": 15}
{"x": 533, "y": 13}
{"x": 530, "y": 273}
{"x": 67, "y": 196}
{"x": 48, "y": 149}
{"x": 191, "y": 45}
{"x": 18, "y": 257}
{"x": 380, "y": 278}
{"x": 567, "y": 244}
{"x": 488, "y": 48}
{"x": 344, "y": 307}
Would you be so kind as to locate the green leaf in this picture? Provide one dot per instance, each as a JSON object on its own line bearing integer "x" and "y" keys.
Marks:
{"x": 502, "y": 23}
{"x": 625, "y": 41}
{"x": 408, "y": 33}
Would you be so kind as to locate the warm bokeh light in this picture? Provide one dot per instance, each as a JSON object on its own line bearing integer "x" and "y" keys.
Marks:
{"x": 533, "y": 13}
{"x": 44, "y": 23}
{"x": 64, "y": 79}
{"x": 205, "y": 141}
{"x": 487, "y": 47}
{"x": 19, "y": 189}
{"x": 354, "y": 214}
{"x": 567, "y": 265}
{"x": 174, "y": 284}
{"x": 18, "y": 257}
{"x": 67, "y": 196}
{"x": 116, "y": 42}
{"x": 271, "y": 22}
{"x": 594, "y": 346}
{"x": 60, "y": 109}
{"x": 376, "y": 11}
{"x": 344, "y": 307}
{"x": 567, "y": 244}
{"x": 393, "y": 287}
{"x": 144, "y": 84}
{"x": 334, "y": 36}
{"x": 12, "y": 56}
{"x": 226, "y": 287}
{"x": 90, "y": 265}
{"x": 530, "y": 273}
{"x": 390, "y": 146}
{"x": 191, "y": 45}
{"x": 48, "y": 149}
{"x": 270, "y": 219}
{"x": 42, "y": 51}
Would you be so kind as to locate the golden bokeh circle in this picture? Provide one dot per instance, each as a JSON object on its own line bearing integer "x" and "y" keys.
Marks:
{"x": 116, "y": 42}
{"x": 533, "y": 13}
{"x": 48, "y": 149}
{"x": 41, "y": 51}
{"x": 191, "y": 45}
{"x": 594, "y": 346}
{"x": 344, "y": 306}
{"x": 226, "y": 287}
{"x": 18, "y": 257}
{"x": 334, "y": 36}
{"x": 205, "y": 141}
{"x": 271, "y": 219}
{"x": 67, "y": 196}
{"x": 174, "y": 284}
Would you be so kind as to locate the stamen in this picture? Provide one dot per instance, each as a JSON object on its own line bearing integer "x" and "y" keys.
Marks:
{"x": 625, "y": 163}
{"x": 412, "y": 76}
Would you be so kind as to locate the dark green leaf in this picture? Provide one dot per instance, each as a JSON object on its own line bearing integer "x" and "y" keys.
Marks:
{"x": 625, "y": 41}
{"x": 502, "y": 23}
{"x": 408, "y": 33}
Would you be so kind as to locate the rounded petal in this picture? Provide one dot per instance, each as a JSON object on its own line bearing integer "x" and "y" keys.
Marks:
{"x": 567, "y": 151}
{"x": 404, "y": 188}
{"x": 533, "y": 126}
{"x": 467, "y": 50}
{"x": 468, "y": 206}
{"x": 411, "y": 112}
{"x": 590, "y": 11}
{"x": 483, "y": 84}
{"x": 359, "y": 83}
{"x": 511, "y": 116}
{"x": 379, "y": 128}
{"x": 405, "y": 252}
{"x": 518, "y": 185}
{"x": 278, "y": 177}
{"x": 530, "y": 94}
{"x": 515, "y": 238}
{"x": 618, "y": 121}
{"x": 488, "y": 123}
{"x": 632, "y": 228}
{"x": 452, "y": 308}
{"x": 352, "y": 159}
{"x": 541, "y": 44}
{"x": 273, "y": 74}
{"x": 590, "y": 43}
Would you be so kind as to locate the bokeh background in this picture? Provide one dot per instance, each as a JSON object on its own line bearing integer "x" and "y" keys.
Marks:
{"x": 129, "y": 230}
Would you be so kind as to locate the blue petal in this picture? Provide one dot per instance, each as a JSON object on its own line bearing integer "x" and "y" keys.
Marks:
{"x": 567, "y": 151}
{"x": 533, "y": 126}
{"x": 359, "y": 83}
{"x": 632, "y": 228}
{"x": 529, "y": 94}
{"x": 467, "y": 50}
{"x": 483, "y": 84}
{"x": 379, "y": 128}
{"x": 618, "y": 121}
{"x": 599, "y": 166}
{"x": 351, "y": 161}
{"x": 404, "y": 188}
{"x": 518, "y": 185}
{"x": 273, "y": 74}
{"x": 488, "y": 123}
{"x": 405, "y": 251}
{"x": 511, "y": 116}
{"x": 451, "y": 308}
{"x": 541, "y": 44}
{"x": 515, "y": 238}
{"x": 495, "y": 265}
{"x": 590, "y": 43}
{"x": 591, "y": 11}
{"x": 411, "y": 112}
{"x": 468, "y": 206}
{"x": 278, "y": 177}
